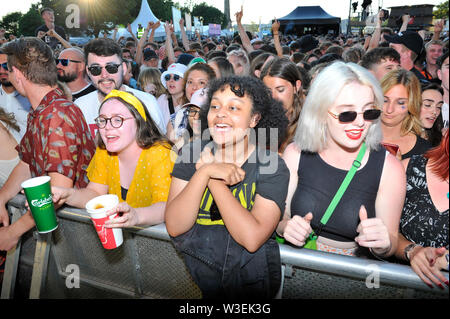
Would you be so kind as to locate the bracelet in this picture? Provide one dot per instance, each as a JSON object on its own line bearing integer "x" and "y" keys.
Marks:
{"x": 376, "y": 255}
{"x": 380, "y": 256}
{"x": 408, "y": 249}
{"x": 275, "y": 33}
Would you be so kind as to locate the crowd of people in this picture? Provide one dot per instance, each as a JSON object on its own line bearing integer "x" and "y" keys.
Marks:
{"x": 335, "y": 143}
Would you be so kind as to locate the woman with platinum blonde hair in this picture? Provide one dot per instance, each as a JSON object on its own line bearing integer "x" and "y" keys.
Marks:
{"x": 339, "y": 123}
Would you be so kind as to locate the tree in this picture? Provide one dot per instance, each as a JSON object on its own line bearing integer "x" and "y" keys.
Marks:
{"x": 162, "y": 9}
{"x": 441, "y": 11}
{"x": 10, "y": 23}
{"x": 95, "y": 16}
{"x": 209, "y": 14}
{"x": 30, "y": 21}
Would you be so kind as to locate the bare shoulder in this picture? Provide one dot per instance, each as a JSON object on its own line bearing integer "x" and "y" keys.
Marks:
{"x": 291, "y": 156}
{"x": 393, "y": 168}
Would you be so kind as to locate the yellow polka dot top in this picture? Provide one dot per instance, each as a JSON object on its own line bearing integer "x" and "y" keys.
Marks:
{"x": 151, "y": 180}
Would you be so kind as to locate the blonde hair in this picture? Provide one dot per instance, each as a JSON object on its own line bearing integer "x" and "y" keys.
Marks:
{"x": 311, "y": 134}
{"x": 411, "y": 123}
{"x": 152, "y": 76}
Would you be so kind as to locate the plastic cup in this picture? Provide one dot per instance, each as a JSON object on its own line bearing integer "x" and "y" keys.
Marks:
{"x": 40, "y": 200}
{"x": 97, "y": 207}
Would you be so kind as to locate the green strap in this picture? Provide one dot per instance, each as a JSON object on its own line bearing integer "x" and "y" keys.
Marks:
{"x": 348, "y": 178}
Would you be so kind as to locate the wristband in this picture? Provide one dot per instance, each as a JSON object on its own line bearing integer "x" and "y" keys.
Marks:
{"x": 279, "y": 239}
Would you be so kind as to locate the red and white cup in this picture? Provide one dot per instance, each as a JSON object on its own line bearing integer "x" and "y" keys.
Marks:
{"x": 97, "y": 207}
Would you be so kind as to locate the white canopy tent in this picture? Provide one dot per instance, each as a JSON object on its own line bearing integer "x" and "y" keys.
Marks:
{"x": 144, "y": 17}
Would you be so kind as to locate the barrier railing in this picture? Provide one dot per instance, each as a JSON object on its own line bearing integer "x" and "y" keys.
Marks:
{"x": 71, "y": 263}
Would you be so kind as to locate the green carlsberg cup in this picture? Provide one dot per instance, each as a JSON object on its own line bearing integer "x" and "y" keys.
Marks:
{"x": 40, "y": 200}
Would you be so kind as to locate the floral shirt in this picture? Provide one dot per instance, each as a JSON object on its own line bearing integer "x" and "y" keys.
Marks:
{"x": 57, "y": 140}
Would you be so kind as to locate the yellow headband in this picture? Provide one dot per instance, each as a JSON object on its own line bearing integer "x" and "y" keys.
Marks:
{"x": 130, "y": 99}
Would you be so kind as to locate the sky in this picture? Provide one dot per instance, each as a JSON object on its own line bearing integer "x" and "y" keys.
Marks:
{"x": 254, "y": 10}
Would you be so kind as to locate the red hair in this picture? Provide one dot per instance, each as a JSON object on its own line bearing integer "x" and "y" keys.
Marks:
{"x": 438, "y": 158}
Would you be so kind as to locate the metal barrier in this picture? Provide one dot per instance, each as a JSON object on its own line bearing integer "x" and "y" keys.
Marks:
{"x": 71, "y": 263}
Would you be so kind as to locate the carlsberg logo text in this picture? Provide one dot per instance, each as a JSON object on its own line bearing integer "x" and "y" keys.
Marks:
{"x": 41, "y": 202}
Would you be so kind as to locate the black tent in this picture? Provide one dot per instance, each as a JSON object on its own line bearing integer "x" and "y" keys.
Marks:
{"x": 309, "y": 20}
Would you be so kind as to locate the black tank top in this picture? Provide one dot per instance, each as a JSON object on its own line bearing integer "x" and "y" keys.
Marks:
{"x": 318, "y": 182}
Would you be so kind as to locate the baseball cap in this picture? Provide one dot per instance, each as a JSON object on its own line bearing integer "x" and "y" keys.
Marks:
{"x": 185, "y": 58}
{"x": 149, "y": 54}
{"x": 410, "y": 39}
{"x": 198, "y": 98}
{"x": 174, "y": 68}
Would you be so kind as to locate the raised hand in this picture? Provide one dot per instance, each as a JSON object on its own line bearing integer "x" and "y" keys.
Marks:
{"x": 275, "y": 26}
{"x": 239, "y": 15}
{"x": 439, "y": 26}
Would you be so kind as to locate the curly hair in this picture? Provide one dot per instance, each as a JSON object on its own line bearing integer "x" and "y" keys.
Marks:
{"x": 271, "y": 111}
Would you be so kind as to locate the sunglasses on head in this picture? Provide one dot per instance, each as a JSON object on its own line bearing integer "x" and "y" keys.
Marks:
{"x": 111, "y": 68}
{"x": 176, "y": 77}
{"x": 65, "y": 62}
{"x": 4, "y": 65}
{"x": 350, "y": 116}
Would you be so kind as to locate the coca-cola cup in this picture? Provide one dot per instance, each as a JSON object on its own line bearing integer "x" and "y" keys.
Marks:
{"x": 40, "y": 200}
{"x": 97, "y": 207}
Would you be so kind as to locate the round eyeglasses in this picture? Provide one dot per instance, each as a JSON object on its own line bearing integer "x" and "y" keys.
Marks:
{"x": 193, "y": 111}
{"x": 116, "y": 121}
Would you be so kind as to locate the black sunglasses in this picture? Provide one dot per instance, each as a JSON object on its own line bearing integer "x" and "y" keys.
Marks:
{"x": 65, "y": 62}
{"x": 350, "y": 116}
{"x": 5, "y": 66}
{"x": 111, "y": 68}
{"x": 176, "y": 77}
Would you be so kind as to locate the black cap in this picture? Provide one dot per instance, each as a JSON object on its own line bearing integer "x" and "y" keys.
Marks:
{"x": 307, "y": 43}
{"x": 149, "y": 54}
{"x": 410, "y": 39}
{"x": 185, "y": 58}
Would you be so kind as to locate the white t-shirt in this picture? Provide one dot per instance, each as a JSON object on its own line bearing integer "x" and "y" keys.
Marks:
{"x": 163, "y": 104}
{"x": 90, "y": 103}
{"x": 445, "y": 111}
{"x": 20, "y": 106}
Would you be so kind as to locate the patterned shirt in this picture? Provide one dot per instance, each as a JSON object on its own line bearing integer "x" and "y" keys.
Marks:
{"x": 421, "y": 222}
{"x": 57, "y": 140}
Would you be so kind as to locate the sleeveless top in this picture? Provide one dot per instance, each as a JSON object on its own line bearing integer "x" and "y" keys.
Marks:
{"x": 318, "y": 182}
{"x": 421, "y": 222}
{"x": 421, "y": 147}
